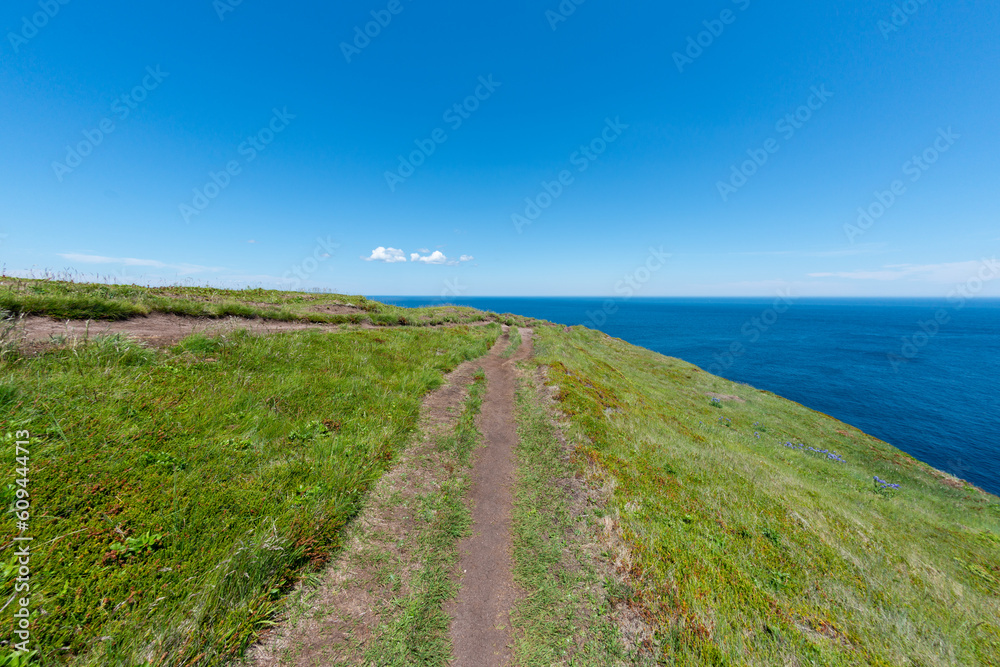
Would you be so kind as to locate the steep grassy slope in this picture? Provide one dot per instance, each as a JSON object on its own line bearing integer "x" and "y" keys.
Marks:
{"x": 759, "y": 532}
{"x": 176, "y": 494}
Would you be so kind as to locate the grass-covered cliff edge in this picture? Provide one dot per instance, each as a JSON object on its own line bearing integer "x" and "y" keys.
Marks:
{"x": 178, "y": 491}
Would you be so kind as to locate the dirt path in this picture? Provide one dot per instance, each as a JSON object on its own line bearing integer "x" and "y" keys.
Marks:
{"x": 341, "y": 617}
{"x": 480, "y": 629}
{"x": 157, "y": 328}
{"x": 164, "y": 329}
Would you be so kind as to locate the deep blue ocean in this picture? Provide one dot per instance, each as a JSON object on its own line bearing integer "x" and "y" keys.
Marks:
{"x": 922, "y": 375}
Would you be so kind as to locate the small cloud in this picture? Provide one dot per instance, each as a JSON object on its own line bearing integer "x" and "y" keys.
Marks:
{"x": 251, "y": 241}
{"x": 423, "y": 250}
{"x": 466, "y": 258}
{"x": 436, "y": 257}
{"x": 387, "y": 255}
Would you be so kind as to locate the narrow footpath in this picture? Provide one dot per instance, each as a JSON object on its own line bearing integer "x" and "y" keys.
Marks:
{"x": 480, "y": 628}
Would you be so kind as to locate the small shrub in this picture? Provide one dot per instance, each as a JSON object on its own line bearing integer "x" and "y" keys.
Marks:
{"x": 139, "y": 545}
{"x": 165, "y": 459}
{"x": 117, "y": 350}
{"x": 309, "y": 431}
{"x": 201, "y": 344}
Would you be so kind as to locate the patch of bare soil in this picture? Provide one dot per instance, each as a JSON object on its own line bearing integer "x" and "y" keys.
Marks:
{"x": 335, "y": 309}
{"x": 336, "y": 621}
{"x": 36, "y": 333}
{"x": 160, "y": 329}
{"x": 726, "y": 397}
{"x": 480, "y": 629}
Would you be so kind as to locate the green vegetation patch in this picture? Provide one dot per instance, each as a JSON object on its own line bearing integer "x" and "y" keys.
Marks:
{"x": 766, "y": 533}
{"x": 564, "y": 615}
{"x": 72, "y": 300}
{"x": 176, "y": 495}
{"x": 514, "y": 336}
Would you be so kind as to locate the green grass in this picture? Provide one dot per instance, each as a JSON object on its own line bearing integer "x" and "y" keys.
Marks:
{"x": 750, "y": 552}
{"x": 71, "y": 300}
{"x": 418, "y": 631}
{"x": 514, "y": 335}
{"x": 563, "y": 616}
{"x": 177, "y": 494}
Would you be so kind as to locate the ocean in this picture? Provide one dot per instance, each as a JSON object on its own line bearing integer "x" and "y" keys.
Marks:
{"x": 923, "y": 375}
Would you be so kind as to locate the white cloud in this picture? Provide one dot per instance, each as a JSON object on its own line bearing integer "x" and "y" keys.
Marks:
{"x": 251, "y": 241}
{"x": 948, "y": 273}
{"x": 131, "y": 261}
{"x": 387, "y": 255}
{"x": 436, "y": 257}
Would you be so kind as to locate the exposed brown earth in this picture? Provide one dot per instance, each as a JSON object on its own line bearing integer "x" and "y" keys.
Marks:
{"x": 164, "y": 329}
{"x": 726, "y": 397}
{"x": 155, "y": 328}
{"x": 481, "y": 623}
{"x": 335, "y": 309}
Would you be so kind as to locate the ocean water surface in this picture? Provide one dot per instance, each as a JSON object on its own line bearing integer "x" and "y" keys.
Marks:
{"x": 923, "y": 375}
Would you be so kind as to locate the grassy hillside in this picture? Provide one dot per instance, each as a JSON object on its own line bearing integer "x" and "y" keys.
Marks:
{"x": 177, "y": 493}
{"x": 71, "y": 300}
{"x": 760, "y": 535}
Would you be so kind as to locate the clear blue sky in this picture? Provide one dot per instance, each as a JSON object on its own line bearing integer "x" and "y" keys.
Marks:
{"x": 328, "y": 122}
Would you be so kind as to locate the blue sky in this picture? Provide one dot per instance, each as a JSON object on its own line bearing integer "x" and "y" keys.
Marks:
{"x": 260, "y": 143}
